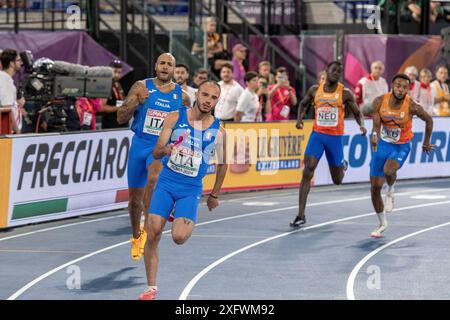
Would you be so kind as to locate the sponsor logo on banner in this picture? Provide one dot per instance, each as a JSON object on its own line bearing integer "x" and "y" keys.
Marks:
{"x": 69, "y": 174}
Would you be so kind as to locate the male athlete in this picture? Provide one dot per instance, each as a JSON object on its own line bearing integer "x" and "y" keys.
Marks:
{"x": 330, "y": 99}
{"x": 392, "y": 122}
{"x": 193, "y": 135}
{"x": 149, "y": 101}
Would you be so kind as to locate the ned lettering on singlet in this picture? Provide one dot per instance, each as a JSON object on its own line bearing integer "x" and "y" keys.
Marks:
{"x": 390, "y": 139}
{"x": 188, "y": 139}
{"x": 330, "y": 99}
{"x": 149, "y": 102}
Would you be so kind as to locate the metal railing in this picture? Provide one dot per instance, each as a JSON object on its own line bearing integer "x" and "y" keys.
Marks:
{"x": 43, "y": 15}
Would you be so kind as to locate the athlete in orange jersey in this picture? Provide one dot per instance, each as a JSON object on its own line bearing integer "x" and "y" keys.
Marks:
{"x": 390, "y": 139}
{"x": 330, "y": 99}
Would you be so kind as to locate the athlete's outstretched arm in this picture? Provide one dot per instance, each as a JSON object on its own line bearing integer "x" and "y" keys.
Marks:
{"x": 162, "y": 149}
{"x": 222, "y": 167}
{"x": 307, "y": 100}
{"x": 137, "y": 95}
{"x": 417, "y": 110}
{"x": 376, "y": 120}
{"x": 349, "y": 102}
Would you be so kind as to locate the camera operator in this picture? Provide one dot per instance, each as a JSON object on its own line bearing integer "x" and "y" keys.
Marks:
{"x": 110, "y": 106}
{"x": 48, "y": 122}
{"x": 11, "y": 63}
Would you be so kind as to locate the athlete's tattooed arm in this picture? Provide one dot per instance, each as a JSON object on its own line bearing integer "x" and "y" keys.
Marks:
{"x": 162, "y": 148}
{"x": 186, "y": 100}
{"x": 349, "y": 102}
{"x": 222, "y": 167}
{"x": 376, "y": 119}
{"x": 305, "y": 104}
{"x": 417, "y": 110}
{"x": 137, "y": 95}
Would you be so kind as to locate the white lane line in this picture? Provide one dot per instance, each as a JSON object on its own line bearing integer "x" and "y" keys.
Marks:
{"x": 405, "y": 183}
{"x": 351, "y": 279}
{"x": 62, "y": 226}
{"x": 185, "y": 293}
{"x": 49, "y": 273}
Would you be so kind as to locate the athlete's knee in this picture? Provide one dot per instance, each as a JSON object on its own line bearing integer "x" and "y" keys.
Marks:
{"x": 308, "y": 173}
{"x": 388, "y": 171}
{"x": 179, "y": 237}
{"x": 154, "y": 235}
{"x": 338, "y": 180}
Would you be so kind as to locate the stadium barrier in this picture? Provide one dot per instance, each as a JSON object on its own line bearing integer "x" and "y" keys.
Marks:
{"x": 56, "y": 176}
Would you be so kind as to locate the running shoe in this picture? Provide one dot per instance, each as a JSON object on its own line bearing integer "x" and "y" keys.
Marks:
{"x": 378, "y": 231}
{"x": 135, "y": 248}
{"x": 389, "y": 201}
{"x": 297, "y": 222}
{"x": 142, "y": 240}
{"x": 148, "y": 295}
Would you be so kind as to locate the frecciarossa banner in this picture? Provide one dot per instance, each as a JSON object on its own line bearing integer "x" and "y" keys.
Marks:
{"x": 357, "y": 152}
{"x": 58, "y": 176}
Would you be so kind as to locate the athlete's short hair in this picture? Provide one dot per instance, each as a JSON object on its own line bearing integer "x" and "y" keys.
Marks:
{"x": 334, "y": 62}
{"x": 209, "y": 81}
{"x": 401, "y": 76}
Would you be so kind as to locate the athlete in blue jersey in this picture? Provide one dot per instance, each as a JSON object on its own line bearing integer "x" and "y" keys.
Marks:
{"x": 188, "y": 139}
{"x": 149, "y": 102}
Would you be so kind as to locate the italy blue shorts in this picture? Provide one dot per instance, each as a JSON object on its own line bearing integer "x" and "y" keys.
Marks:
{"x": 169, "y": 193}
{"x": 140, "y": 157}
{"x": 332, "y": 145}
{"x": 386, "y": 151}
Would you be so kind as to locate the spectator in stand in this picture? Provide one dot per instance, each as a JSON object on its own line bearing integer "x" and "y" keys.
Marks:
{"x": 239, "y": 55}
{"x": 263, "y": 96}
{"x": 181, "y": 77}
{"x": 370, "y": 87}
{"x": 200, "y": 76}
{"x": 229, "y": 94}
{"x": 248, "y": 108}
{"x": 264, "y": 69}
{"x": 440, "y": 92}
{"x": 321, "y": 77}
{"x": 11, "y": 63}
{"x": 414, "y": 86}
{"x": 87, "y": 108}
{"x": 436, "y": 10}
{"x": 425, "y": 97}
{"x": 110, "y": 106}
{"x": 217, "y": 56}
{"x": 282, "y": 96}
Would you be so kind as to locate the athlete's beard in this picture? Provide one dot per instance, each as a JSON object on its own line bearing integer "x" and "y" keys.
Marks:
{"x": 196, "y": 105}
{"x": 396, "y": 97}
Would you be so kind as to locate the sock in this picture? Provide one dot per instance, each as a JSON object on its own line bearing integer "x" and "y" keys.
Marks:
{"x": 391, "y": 189}
{"x": 152, "y": 288}
{"x": 382, "y": 217}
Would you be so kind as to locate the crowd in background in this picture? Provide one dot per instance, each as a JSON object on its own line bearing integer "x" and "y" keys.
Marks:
{"x": 246, "y": 96}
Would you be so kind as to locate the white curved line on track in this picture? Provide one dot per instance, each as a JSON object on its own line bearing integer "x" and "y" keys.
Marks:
{"x": 360, "y": 264}
{"x": 185, "y": 293}
{"x": 51, "y": 272}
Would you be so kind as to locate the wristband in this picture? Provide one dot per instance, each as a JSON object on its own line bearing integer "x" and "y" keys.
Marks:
{"x": 212, "y": 196}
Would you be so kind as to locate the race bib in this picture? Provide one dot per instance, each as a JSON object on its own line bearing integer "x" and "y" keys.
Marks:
{"x": 185, "y": 161}
{"x": 119, "y": 103}
{"x": 390, "y": 134}
{"x": 154, "y": 120}
{"x": 327, "y": 117}
{"x": 87, "y": 119}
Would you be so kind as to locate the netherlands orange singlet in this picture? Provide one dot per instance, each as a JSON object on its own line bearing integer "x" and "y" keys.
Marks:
{"x": 329, "y": 111}
{"x": 396, "y": 124}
